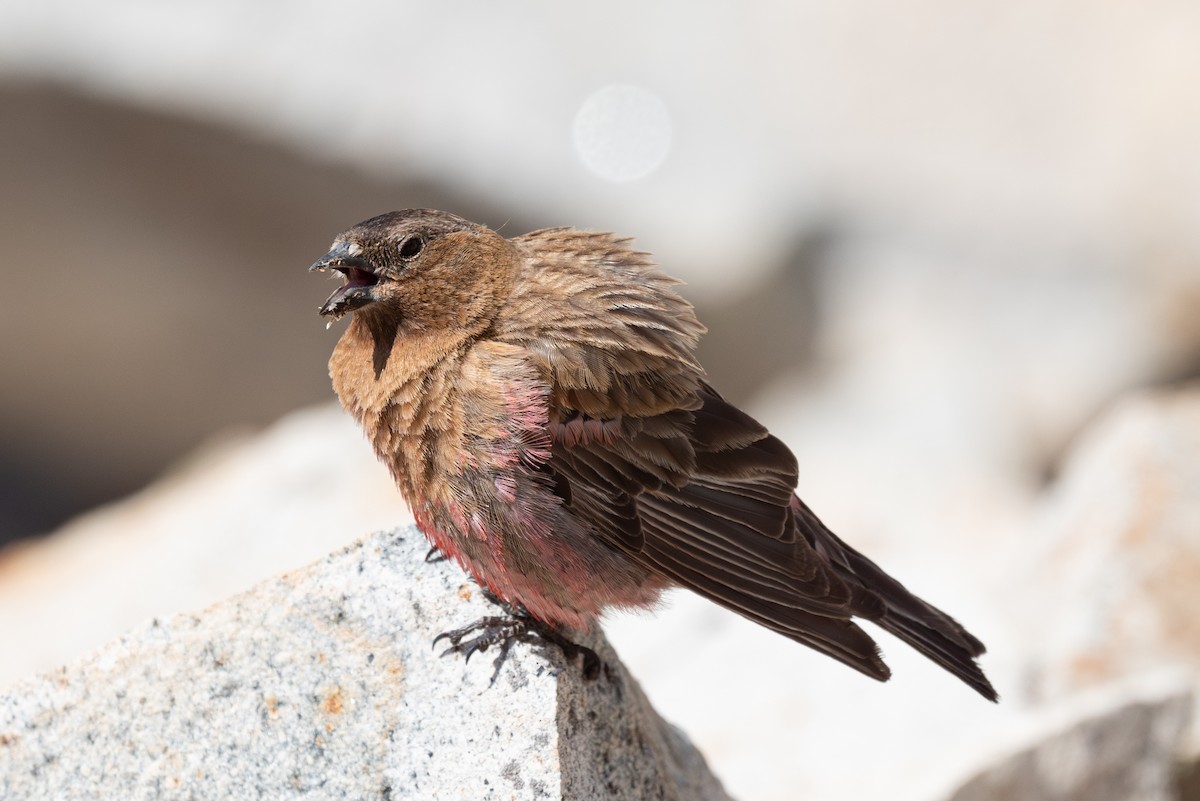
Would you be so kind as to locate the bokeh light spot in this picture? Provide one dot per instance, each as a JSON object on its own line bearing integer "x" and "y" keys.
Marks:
{"x": 622, "y": 132}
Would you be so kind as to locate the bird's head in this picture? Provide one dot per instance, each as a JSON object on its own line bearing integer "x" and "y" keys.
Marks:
{"x": 426, "y": 269}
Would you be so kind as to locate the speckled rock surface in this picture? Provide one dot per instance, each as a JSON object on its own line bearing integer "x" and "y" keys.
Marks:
{"x": 322, "y": 683}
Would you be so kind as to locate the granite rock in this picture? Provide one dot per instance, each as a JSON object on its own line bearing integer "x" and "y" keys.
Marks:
{"x": 321, "y": 683}
{"x": 278, "y": 499}
{"x": 1117, "y": 744}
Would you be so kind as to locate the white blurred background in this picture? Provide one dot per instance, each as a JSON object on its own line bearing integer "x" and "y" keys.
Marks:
{"x": 932, "y": 241}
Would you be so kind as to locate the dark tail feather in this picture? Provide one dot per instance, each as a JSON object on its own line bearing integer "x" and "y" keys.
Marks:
{"x": 928, "y": 629}
{"x": 921, "y": 625}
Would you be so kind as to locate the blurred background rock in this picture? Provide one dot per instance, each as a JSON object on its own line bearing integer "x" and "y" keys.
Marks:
{"x": 932, "y": 242}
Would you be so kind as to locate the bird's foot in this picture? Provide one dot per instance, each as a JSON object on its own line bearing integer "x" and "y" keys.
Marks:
{"x": 518, "y": 626}
{"x": 435, "y": 555}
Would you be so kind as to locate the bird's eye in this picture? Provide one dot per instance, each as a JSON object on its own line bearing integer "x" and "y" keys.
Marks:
{"x": 411, "y": 246}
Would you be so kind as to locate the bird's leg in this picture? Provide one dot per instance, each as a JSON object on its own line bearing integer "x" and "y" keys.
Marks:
{"x": 516, "y": 626}
{"x": 435, "y": 555}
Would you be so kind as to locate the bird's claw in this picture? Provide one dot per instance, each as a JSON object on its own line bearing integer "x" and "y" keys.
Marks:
{"x": 492, "y": 631}
{"x": 504, "y": 631}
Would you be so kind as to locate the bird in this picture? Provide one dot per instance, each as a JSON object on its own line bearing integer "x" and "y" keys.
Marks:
{"x": 538, "y": 401}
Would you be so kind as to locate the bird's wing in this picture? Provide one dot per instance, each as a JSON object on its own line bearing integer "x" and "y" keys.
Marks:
{"x": 735, "y": 532}
{"x": 727, "y": 532}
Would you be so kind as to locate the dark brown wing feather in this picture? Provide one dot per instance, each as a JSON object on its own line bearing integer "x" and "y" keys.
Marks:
{"x": 720, "y": 517}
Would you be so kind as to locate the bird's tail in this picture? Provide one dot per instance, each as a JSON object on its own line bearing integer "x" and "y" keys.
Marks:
{"x": 923, "y": 626}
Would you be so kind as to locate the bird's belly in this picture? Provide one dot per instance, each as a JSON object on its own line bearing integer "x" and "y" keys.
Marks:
{"x": 561, "y": 573}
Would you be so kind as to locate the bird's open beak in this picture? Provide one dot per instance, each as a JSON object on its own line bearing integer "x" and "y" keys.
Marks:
{"x": 361, "y": 278}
